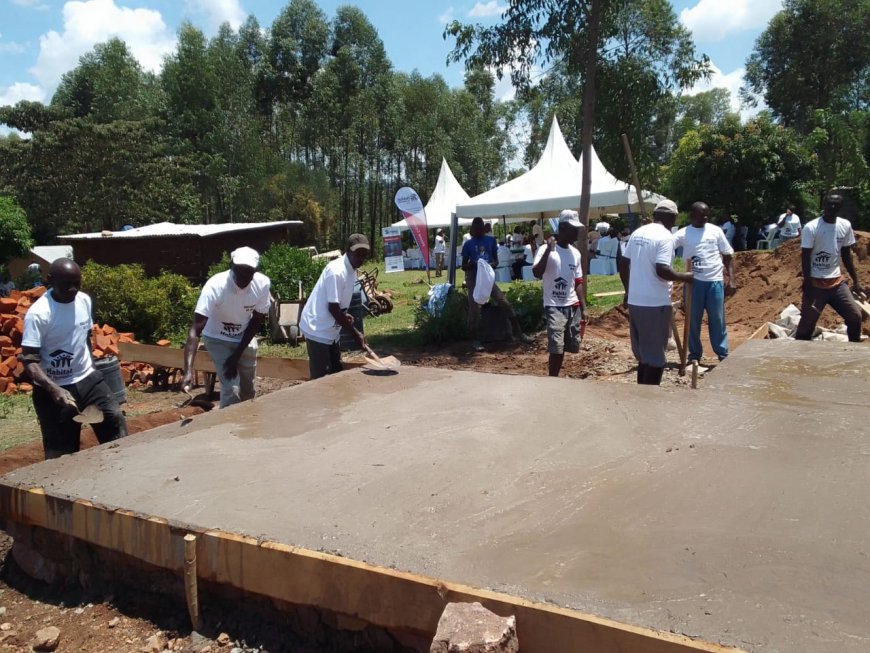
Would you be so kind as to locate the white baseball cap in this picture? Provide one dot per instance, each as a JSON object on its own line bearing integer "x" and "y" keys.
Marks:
{"x": 666, "y": 206}
{"x": 571, "y": 217}
{"x": 245, "y": 256}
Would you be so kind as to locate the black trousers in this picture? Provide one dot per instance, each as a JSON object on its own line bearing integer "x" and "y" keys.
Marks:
{"x": 323, "y": 359}
{"x": 840, "y": 299}
{"x": 60, "y": 434}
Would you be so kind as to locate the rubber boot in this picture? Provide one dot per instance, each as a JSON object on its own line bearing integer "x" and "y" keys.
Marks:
{"x": 654, "y": 375}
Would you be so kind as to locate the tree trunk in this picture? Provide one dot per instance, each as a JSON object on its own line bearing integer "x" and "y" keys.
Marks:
{"x": 588, "y": 124}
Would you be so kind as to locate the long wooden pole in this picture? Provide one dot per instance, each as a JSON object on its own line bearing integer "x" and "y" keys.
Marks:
{"x": 687, "y": 316}
{"x": 634, "y": 178}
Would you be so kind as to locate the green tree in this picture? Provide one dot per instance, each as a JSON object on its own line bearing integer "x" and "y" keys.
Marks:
{"x": 813, "y": 55}
{"x": 753, "y": 170}
{"x": 107, "y": 85}
{"x": 15, "y": 239}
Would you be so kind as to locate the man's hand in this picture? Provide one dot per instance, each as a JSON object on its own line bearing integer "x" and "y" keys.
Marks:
{"x": 687, "y": 277}
{"x": 63, "y": 397}
{"x": 347, "y": 320}
{"x": 857, "y": 288}
{"x": 551, "y": 244}
{"x": 187, "y": 381}
{"x": 730, "y": 289}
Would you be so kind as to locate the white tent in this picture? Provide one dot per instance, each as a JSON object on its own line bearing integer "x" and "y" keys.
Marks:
{"x": 552, "y": 185}
{"x": 447, "y": 194}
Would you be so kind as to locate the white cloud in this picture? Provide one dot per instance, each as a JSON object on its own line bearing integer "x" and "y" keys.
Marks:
{"x": 217, "y": 12}
{"x": 11, "y": 47}
{"x": 491, "y": 8}
{"x": 713, "y": 20}
{"x": 447, "y": 16}
{"x": 21, "y": 91}
{"x": 88, "y": 22}
{"x": 732, "y": 82}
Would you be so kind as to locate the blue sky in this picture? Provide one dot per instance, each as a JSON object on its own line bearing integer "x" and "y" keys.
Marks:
{"x": 42, "y": 39}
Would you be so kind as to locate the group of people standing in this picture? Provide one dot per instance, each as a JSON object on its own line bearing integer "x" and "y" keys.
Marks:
{"x": 647, "y": 273}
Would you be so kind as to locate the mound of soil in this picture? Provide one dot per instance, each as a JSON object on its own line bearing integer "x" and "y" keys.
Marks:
{"x": 767, "y": 282}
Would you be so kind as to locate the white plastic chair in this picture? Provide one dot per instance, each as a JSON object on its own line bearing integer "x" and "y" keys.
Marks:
{"x": 769, "y": 242}
{"x": 503, "y": 270}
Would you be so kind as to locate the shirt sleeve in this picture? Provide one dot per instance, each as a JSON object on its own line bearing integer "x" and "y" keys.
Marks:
{"x": 332, "y": 287}
{"x": 540, "y": 254}
{"x": 628, "y": 249}
{"x": 205, "y": 303}
{"x": 849, "y": 237}
{"x": 32, "y": 336}
{"x": 680, "y": 238}
{"x": 665, "y": 251}
{"x": 724, "y": 246}
{"x": 262, "y": 306}
{"x": 808, "y": 236}
{"x": 466, "y": 250}
{"x": 578, "y": 261}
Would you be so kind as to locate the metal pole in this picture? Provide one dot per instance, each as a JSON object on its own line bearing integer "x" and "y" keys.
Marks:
{"x": 451, "y": 269}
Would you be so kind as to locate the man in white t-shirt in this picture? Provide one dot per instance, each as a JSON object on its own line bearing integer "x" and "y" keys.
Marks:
{"x": 440, "y": 249}
{"x": 712, "y": 264}
{"x": 325, "y": 311}
{"x": 647, "y": 275}
{"x": 825, "y": 243}
{"x": 230, "y": 310}
{"x": 789, "y": 224}
{"x": 56, "y": 351}
{"x": 559, "y": 264}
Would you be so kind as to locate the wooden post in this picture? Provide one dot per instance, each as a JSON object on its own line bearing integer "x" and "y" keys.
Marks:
{"x": 694, "y": 375}
{"x": 191, "y": 592}
{"x": 634, "y": 178}
{"x": 687, "y": 312}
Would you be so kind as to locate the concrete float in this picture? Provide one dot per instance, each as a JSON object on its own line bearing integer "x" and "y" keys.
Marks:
{"x": 734, "y": 515}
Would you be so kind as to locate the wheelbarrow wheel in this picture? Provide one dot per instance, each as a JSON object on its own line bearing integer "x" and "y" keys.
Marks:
{"x": 386, "y": 303}
{"x": 374, "y": 308}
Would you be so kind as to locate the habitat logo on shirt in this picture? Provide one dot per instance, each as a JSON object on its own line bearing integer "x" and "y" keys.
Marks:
{"x": 822, "y": 260}
{"x": 231, "y": 330}
{"x": 60, "y": 364}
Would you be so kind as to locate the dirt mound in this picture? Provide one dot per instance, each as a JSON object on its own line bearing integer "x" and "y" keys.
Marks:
{"x": 767, "y": 282}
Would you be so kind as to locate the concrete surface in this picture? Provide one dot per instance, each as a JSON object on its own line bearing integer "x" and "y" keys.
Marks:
{"x": 737, "y": 513}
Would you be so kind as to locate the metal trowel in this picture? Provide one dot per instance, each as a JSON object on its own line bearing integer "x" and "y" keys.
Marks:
{"x": 378, "y": 363}
{"x": 90, "y": 415}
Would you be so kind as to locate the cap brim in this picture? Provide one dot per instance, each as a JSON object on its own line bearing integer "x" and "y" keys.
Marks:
{"x": 353, "y": 248}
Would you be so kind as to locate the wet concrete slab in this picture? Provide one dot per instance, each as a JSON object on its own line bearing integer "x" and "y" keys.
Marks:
{"x": 737, "y": 513}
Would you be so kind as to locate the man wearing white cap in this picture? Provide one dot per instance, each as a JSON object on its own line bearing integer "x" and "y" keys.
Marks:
{"x": 559, "y": 264}
{"x": 647, "y": 275}
{"x": 228, "y": 314}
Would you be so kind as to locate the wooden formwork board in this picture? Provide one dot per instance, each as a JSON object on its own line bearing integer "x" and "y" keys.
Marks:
{"x": 380, "y": 596}
{"x": 291, "y": 369}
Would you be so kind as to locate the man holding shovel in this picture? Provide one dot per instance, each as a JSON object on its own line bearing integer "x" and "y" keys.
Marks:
{"x": 228, "y": 314}
{"x": 711, "y": 259}
{"x": 56, "y": 351}
{"x": 325, "y": 311}
{"x": 647, "y": 275}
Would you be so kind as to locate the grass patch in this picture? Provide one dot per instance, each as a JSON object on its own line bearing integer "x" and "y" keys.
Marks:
{"x": 18, "y": 423}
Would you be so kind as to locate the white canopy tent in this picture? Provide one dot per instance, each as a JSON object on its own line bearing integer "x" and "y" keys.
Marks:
{"x": 551, "y": 185}
{"x": 447, "y": 194}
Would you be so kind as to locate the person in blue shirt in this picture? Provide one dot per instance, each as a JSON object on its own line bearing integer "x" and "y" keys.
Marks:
{"x": 483, "y": 247}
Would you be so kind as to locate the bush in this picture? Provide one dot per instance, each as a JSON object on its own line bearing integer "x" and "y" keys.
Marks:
{"x": 151, "y": 307}
{"x": 285, "y": 266}
{"x": 527, "y": 300}
{"x": 450, "y": 325}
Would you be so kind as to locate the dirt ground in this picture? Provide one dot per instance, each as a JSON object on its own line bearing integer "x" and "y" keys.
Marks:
{"x": 768, "y": 282}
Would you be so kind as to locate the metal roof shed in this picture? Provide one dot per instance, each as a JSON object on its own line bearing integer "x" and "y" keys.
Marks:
{"x": 186, "y": 249}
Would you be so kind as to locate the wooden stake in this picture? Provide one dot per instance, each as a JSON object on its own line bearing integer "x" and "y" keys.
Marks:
{"x": 687, "y": 312}
{"x": 694, "y": 375}
{"x": 191, "y": 591}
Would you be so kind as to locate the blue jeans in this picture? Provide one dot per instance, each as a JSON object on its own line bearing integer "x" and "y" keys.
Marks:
{"x": 240, "y": 388}
{"x": 709, "y": 296}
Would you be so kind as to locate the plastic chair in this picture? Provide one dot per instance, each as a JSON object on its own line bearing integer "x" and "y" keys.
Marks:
{"x": 769, "y": 242}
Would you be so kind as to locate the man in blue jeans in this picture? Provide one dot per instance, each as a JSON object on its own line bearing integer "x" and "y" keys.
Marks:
{"x": 711, "y": 256}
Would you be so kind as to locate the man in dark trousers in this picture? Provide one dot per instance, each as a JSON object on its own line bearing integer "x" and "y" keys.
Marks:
{"x": 647, "y": 275}
{"x": 825, "y": 243}
{"x": 483, "y": 247}
{"x": 56, "y": 350}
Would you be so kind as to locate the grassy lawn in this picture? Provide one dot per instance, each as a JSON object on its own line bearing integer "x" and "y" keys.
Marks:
{"x": 410, "y": 289}
{"x": 18, "y": 423}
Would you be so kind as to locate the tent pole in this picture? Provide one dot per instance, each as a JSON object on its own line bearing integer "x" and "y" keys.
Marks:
{"x": 451, "y": 269}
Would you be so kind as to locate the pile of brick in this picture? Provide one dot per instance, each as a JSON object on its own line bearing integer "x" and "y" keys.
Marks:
{"x": 106, "y": 341}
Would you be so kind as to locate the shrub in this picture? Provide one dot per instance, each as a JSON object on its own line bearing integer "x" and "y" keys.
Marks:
{"x": 285, "y": 266}
{"x": 449, "y": 325}
{"x": 527, "y": 300}
{"x": 151, "y": 307}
